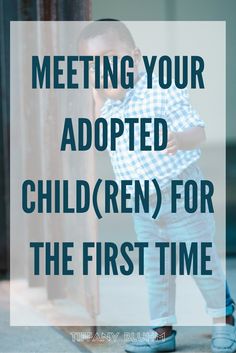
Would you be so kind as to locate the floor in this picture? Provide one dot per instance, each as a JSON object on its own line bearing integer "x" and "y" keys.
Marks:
{"x": 108, "y": 339}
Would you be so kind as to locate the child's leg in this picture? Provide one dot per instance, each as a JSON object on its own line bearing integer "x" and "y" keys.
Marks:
{"x": 161, "y": 288}
{"x": 200, "y": 227}
{"x": 230, "y": 305}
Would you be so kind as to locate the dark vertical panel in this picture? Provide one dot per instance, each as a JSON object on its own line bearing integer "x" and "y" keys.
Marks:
{"x": 23, "y": 10}
{"x": 8, "y": 11}
{"x": 78, "y": 10}
{"x": 67, "y": 11}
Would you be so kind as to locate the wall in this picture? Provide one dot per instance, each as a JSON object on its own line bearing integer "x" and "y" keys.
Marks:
{"x": 151, "y": 10}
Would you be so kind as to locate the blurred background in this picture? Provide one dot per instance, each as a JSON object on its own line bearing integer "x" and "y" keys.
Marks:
{"x": 187, "y": 10}
{"x": 139, "y": 10}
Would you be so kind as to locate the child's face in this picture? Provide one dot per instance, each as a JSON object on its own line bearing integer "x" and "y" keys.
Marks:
{"x": 109, "y": 45}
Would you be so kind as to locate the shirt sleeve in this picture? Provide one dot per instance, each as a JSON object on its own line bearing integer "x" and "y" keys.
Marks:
{"x": 179, "y": 113}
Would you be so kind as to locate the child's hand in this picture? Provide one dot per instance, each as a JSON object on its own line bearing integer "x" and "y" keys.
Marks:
{"x": 185, "y": 140}
{"x": 173, "y": 144}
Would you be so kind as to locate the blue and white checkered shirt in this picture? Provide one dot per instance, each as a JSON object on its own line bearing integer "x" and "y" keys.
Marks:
{"x": 170, "y": 104}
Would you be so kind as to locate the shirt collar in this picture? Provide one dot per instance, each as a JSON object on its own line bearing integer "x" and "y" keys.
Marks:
{"x": 136, "y": 93}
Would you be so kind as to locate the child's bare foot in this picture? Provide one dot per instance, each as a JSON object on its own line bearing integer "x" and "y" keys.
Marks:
{"x": 163, "y": 332}
{"x": 229, "y": 320}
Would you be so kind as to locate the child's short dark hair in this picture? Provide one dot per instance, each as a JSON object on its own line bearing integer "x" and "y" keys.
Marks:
{"x": 104, "y": 26}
